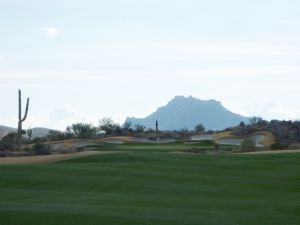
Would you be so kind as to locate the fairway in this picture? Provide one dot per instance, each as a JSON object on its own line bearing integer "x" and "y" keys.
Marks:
{"x": 147, "y": 184}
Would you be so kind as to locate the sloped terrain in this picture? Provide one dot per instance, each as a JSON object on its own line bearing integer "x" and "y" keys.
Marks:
{"x": 144, "y": 184}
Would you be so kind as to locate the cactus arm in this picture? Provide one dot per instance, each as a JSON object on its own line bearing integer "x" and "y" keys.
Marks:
{"x": 20, "y": 105}
{"x": 26, "y": 111}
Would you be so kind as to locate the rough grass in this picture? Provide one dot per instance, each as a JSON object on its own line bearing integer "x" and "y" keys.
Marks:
{"x": 146, "y": 185}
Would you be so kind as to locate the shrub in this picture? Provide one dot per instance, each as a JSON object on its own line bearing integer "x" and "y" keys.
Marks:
{"x": 109, "y": 126}
{"x": 40, "y": 149}
{"x": 217, "y": 147}
{"x": 56, "y": 135}
{"x": 81, "y": 130}
{"x": 278, "y": 146}
{"x": 196, "y": 150}
{"x": 139, "y": 128}
{"x": 199, "y": 128}
{"x": 38, "y": 140}
{"x": 5, "y": 153}
{"x": 9, "y": 142}
{"x": 294, "y": 146}
{"x": 248, "y": 145}
{"x": 210, "y": 132}
{"x": 2, "y": 146}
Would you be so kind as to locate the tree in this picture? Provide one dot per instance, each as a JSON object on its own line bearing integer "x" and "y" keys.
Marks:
{"x": 127, "y": 125}
{"x": 54, "y": 135}
{"x": 199, "y": 128}
{"x": 139, "y": 128}
{"x": 81, "y": 130}
{"x": 255, "y": 120}
{"x": 242, "y": 124}
{"x": 184, "y": 133}
{"x": 109, "y": 126}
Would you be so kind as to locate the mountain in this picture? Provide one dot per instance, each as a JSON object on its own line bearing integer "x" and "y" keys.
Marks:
{"x": 36, "y": 132}
{"x": 40, "y": 132}
{"x": 186, "y": 112}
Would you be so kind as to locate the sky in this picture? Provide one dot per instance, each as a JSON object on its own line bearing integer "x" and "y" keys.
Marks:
{"x": 80, "y": 61}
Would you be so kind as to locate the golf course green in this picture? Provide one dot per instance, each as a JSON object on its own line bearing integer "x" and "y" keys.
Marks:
{"x": 154, "y": 184}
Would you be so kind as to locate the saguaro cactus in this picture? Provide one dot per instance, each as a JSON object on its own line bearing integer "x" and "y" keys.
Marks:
{"x": 156, "y": 130}
{"x": 21, "y": 120}
{"x": 29, "y": 133}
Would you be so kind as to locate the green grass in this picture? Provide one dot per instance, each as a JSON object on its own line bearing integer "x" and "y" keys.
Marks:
{"x": 168, "y": 147}
{"x": 145, "y": 184}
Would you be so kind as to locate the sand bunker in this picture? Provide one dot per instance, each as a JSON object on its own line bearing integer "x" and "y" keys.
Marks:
{"x": 121, "y": 140}
{"x": 71, "y": 143}
{"x": 203, "y": 137}
{"x": 113, "y": 141}
{"x": 256, "y": 138}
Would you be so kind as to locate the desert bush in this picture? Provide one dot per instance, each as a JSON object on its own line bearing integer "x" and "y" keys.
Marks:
{"x": 40, "y": 149}
{"x": 139, "y": 128}
{"x": 278, "y": 146}
{"x": 5, "y": 153}
{"x": 9, "y": 153}
{"x": 151, "y": 136}
{"x": 196, "y": 150}
{"x": 81, "y": 130}
{"x": 255, "y": 120}
{"x": 210, "y": 132}
{"x": 2, "y": 146}
{"x": 36, "y": 140}
{"x": 56, "y": 135}
{"x": 9, "y": 141}
{"x": 127, "y": 125}
{"x": 242, "y": 124}
{"x": 109, "y": 126}
{"x": 199, "y": 128}
{"x": 247, "y": 145}
{"x": 184, "y": 133}
{"x": 295, "y": 146}
{"x": 217, "y": 147}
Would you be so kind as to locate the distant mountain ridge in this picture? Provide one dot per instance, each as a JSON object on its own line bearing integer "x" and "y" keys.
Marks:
{"x": 4, "y": 130}
{"x": 36, "y": 132}
{"x": 186, "y": 112}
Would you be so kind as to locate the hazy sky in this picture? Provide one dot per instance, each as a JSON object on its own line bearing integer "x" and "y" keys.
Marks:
{"x": 83, "y": 60}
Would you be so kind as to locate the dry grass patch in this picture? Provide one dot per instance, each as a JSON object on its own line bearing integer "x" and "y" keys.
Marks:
{"x": 42, "y": 159}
